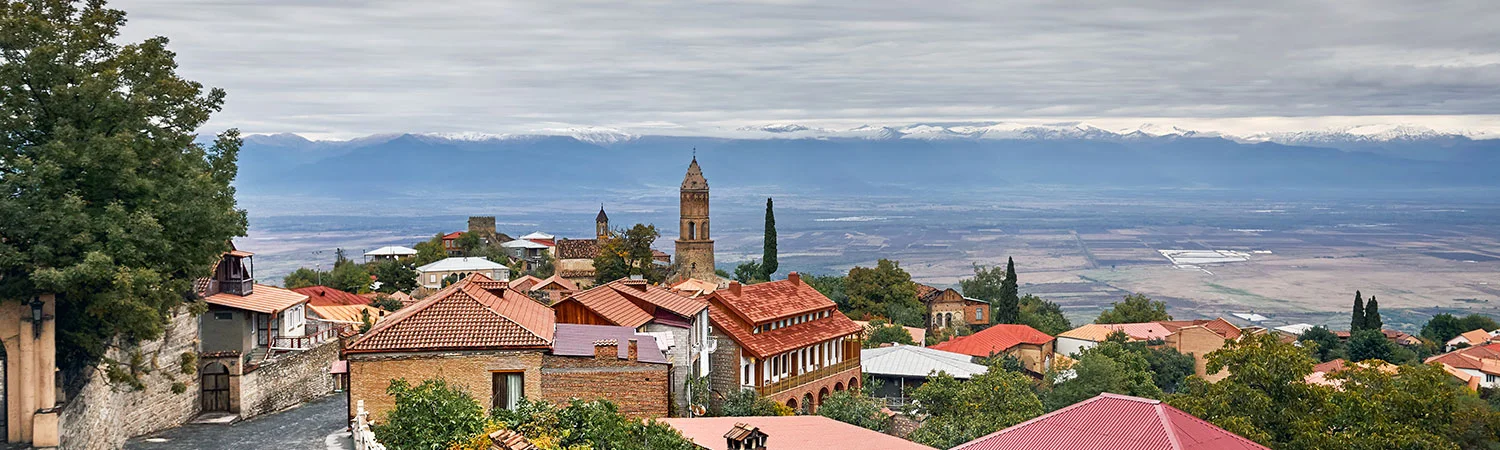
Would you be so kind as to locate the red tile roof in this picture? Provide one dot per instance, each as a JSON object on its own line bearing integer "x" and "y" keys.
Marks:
{"x": 564, "y": 283}
{"x": 766, "y": 302}
{"x": 463, "y": 316}
{"x": 453, "y": 235}
{"x": 629, "y": 303}
{"x": 1223, "y": 328}
{"x": 263, "y": 299}
{"x": 791, "y": 433}
{"x": 994, "y": 340}
{"x": 782, "y": 339}
{"x": 327, "y": 296}
{"x": 1472, "y": 358}
{"x": 524, "y": 283}
{"x": 1115, "y": 422}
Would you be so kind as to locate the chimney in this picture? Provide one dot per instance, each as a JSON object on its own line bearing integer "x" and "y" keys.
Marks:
{"x": 633, "y": 351}
{"x": 637, "y": 282}
{"x": 734, "y": 288}
{"x": 745, "y": 437}
{"x": 795, "y": 278}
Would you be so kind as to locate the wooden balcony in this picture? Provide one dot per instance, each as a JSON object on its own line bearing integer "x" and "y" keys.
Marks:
{"x": 793, "y": 381}
{"x": 241, "y": 287}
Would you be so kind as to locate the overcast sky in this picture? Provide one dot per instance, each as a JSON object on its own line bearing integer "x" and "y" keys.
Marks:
{"x": 341, "y": 69}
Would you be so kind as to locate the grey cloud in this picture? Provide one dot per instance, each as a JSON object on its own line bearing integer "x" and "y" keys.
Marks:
{"x": 382, "y": 66}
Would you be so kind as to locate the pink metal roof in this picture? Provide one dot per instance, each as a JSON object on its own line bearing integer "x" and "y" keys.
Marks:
{"x": 1113, "y": 422}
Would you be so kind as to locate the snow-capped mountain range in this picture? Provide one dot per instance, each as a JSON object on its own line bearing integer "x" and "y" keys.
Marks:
{"x": 1351, "y": 135}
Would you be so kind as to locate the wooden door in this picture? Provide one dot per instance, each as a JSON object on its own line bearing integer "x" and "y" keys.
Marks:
{"x": 215, "y": 388}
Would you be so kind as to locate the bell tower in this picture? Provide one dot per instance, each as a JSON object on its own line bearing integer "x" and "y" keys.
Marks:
{"x": 695, "y": 246}
{"x": 601, "y": 225}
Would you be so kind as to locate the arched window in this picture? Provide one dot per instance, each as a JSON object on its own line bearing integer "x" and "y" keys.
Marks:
{"x": 692, "y": 230}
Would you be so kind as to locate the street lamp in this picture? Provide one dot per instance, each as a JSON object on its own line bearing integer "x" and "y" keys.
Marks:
{"x": 37, "y": 317}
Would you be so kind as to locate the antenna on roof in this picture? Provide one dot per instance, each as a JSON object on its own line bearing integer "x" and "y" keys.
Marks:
{"x": 695, "y": 153}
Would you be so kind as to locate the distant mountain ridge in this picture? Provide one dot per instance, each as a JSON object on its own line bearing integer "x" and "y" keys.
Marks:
{"x": 870, "y": 160}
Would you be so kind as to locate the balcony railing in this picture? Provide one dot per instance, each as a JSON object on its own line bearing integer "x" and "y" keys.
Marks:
{"x": 326, "y": 331}
{"x": 806, "y": 377}
{"x": 243, "y": 286}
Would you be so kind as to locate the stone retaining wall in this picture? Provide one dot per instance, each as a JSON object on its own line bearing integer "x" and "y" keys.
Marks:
{"x": 102, "y": 416}
{"x": 288, "y": 380}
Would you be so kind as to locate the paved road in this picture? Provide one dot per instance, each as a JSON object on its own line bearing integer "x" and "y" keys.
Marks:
{"x": 316, "y": 425}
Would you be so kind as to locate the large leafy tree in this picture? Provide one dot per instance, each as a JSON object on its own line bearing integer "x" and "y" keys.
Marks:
{"x": 1107, "y": 367}
{"x": 1329, "y": 347}
{"x": 1444, "y": 327}
{"x": 769, "y": 263}
{"x": 885, "y": 333}
{"x": 394, "y": 275}
{"x": 884, "y": 291}
{"x": 1369, "y": 344}
{"x": 1043, "y": 315}
{"x": 1136, "y": 308}
{"x": 831, "y": 286}
{"x": 430, "y": 415}
{"x": 987, "y": 284}
{"x": 627, "y": 252}
{"x": 854, "y": 408}
{"x": 108, "y": 201}
{"x": 963, "y": 411}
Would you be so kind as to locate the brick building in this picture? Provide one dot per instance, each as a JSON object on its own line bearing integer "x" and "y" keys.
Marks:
{"x": 501, "y": 346}
{"x": 946, "y": 307}
{"x": 783, "y": 339}
{"x": 680, "y": 324}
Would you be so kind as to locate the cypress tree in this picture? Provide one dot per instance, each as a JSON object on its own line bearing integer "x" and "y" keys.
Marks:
{"x": 1008, "y": 309}
{"x": 1357, "y": 321}
{"x": 768, "y": 263}
{"x": 1372, "y": 315}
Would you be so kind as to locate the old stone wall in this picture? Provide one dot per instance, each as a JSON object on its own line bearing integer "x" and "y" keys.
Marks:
{"x": 371, "y": 374}
{"x": 288, "y": 380}
{"x": 680, "y": 355}
{"x": 638, "y": 389}
{"x": 724, "y": 367}
{"x": 102, "y": 416}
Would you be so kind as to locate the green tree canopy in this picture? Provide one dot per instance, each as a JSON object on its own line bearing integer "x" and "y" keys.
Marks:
{"x": 394, "y": 275}
{"x": 747, "y": 403}
{"x": 886, "y": 333}
{"x": 1329, "y": 346}
{"x": 109, "y": 203}
{"x": 831, "y": 286}
{"x": 303, "y": 277}
{"x": 749, "y": 272}
{"x": 1372, "y": 315}
{"x": 1369, "y": 344}
{"x": 1008, "y": 307}
{"x": 1107, "y": 367}
{"x": 988, "y": 284}
{"x": 1136, "y": 308}
{"x": 627, "y": 252}
{"x": 586, "y": 424}
{"x": 884, "y": 291}
{"x": 963, "y": 411}
{"x": 1357, "y": 318}
{"x": 429, "y": 251}
{"x": 431, "y": 415}
{"x": 769, "y": 263}
{"x": 1444, "y": 327}
{"x": 1043, "y": 315}
{"x": 854, "y": 408}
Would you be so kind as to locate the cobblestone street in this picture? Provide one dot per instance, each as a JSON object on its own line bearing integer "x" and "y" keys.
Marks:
{"x": 316, "y": 425}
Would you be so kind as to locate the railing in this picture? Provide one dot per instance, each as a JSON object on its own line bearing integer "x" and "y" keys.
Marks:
{"x": 244, "y": 286}
{"x": 364, "y": 439}
{"x": 807, "y": 377}
{"x": 326, "y": 331}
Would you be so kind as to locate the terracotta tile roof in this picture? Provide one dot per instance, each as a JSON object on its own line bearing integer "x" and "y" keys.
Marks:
{"x": 1116, "y": 422}
{"x": 576, "y": 273}
{"x": 695, "y": 287}
{"x": 564, "y": 283}
{"x": 791, "y": 433}
{"x": 994, "y": 340}
{"x": 524, "y": 283}
{"x": 327, "y": 296}
{"x": 347, "y": 313}
{"x": 925, "y": 291}
{"x": 263, "y": 299}
{"x": 629, "y": 302}
{"x": 766, "y": 302}
{"x": 1223, "y": 328}
{"x": 785, "y": 338}
{"x": 1472, "y": 358}
{"x": 462, "y": 316}
{"x": 1476, "y": 337}
{"x": 577, "y": 248}
{"x": 1137, "y": 331}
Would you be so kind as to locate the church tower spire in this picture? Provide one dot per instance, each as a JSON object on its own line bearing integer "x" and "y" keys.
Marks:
{"x": 601, "y": 224}
{"x": 695, "y": 246}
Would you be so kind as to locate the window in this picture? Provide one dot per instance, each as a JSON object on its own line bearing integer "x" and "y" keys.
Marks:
{"x": 432, "y": 278}
{"x": 507, "y": 391}
{"x": 978, "y": 313}
{"x": 1490, "y": 378}
{"x": 224, "y": 316}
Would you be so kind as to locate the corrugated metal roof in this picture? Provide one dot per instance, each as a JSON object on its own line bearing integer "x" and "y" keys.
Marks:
{"x": 460, "y": 263}
{"x": 392, "y": 250}
{"x": 347, "y": 313}
{"x": 914, "y": 361}
{"x": 1114, "y": 422}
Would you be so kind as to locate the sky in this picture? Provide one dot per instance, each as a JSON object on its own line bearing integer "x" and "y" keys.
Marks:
{"x": 340, "y": 69}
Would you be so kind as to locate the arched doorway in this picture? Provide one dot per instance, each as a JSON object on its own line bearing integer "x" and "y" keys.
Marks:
{"x": 822, "y": 395}
{"x": 854, "y": 384}
{"x": 838, "y": 387}
{"x": 807, "y": 403}
{"x": 791, "y": 403}
{"x": 215, "y": 387}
